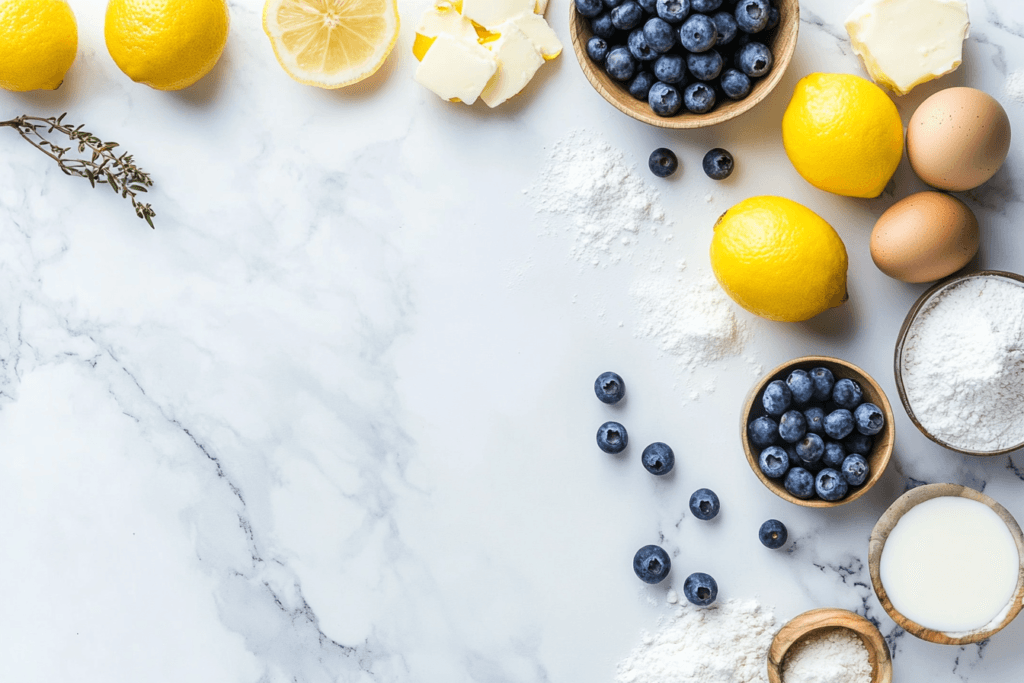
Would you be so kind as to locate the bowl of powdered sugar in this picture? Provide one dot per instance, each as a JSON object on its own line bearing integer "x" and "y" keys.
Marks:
{"x": 960, "y": 363}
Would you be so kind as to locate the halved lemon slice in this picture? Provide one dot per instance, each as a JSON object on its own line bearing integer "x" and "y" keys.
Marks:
{"x": 331, "y": 43}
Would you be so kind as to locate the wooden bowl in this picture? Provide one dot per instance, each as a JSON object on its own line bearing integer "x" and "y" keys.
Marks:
{"x": 886, "y": 524}
{"x": 918, "y": 306}
{"x": 783, "y": 44}
{"x": 878, "y": 459}
{"x": 826, "y": 619}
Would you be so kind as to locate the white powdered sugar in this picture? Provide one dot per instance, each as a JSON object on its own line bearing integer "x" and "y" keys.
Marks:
{"x": 604, "y": 202}
{"x": 833, "y": 656}
{"x": 963, "y": 365}
{"x": 724, "y": 643}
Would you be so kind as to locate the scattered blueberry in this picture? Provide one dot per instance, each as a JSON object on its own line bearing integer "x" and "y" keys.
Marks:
{"x": 815, "y": 420}
{"x": 718, "y": 164}
{"x": 658, "y": 458}
{"x": 735, "y": 84}
{"x": 597, "y": 48}
{"x": 725, "y": 24}
{"x": 869, "y": 419}
{"x": 839, "y": 424}
{"x": 673, "y": 11}
{"x": 705, "y": 66}
{"x": 602, "y": 26}
{"x": 589, "y": 8}
{"x": 834, "y": 456}
{"x": 641, "y": 84}
{"x": 670, "y": 69}
{"x": 801, "y": 386}
{"x": 810, "y": 449}
{"x": 705, "y": 6}
{"x": 704, "y": 504}
{"x": 763, "y": 432}
{"x": 773, "y": 534}
{"x": 627, "y": 16}
{"x": 651, "y": 564}
{"x": 700, "y": 589}
{"x": 698, "y": 33}
{"x": 855, "y": 469}
{"x": 620, "y": 64}
{"x": 638, "y": 47}
{"x": 777, "y": 398}
{"x": 792, "y": 426}
{"x": 830, "y": 485}
{"x": 754, "y": 59}
{"x": 800, "y": 483}
{"x": 752, "y": 15}
{"x": 858, "y": 443}
{"x": 664, "y": 99}
{"x": 609, "y": 387}
{"x": 659, "y": 34}
{"x": 612, "y": 437}
{"x": 823, "y": 383}
{"x": 847, "y": 394}
{"x": 774, "y": 462}
{"x": 663, "y": 162}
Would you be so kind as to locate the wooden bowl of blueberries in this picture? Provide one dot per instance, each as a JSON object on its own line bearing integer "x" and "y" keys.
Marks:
{"x": 684, "y": 63}
{"x": 818, "y": 431}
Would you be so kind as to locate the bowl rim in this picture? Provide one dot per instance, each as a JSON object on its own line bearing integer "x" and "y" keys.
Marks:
{"x": 881, "y": 453}
{"x": 789, "y": 28}
{"x": 887, "y": 522}
{"x": 827, "y": 618}
{"x": 901, "y": 339}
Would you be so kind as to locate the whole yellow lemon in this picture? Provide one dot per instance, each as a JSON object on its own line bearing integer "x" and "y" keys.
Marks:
{"x": 38, "y": 43}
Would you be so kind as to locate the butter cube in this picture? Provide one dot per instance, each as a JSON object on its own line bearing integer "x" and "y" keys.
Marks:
{"x": 443, "y": 19}
{"x": 518, "y": 60}
{"x": 493, "y": 12}
{"x": 540, "y": 34}
{"x": 456, "y": 68}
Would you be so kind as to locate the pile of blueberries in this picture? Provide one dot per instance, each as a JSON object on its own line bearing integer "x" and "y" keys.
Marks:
{"x": 682, "y": 53}
{"x": 651, "y": 563}
{"x": 816, "y": 434}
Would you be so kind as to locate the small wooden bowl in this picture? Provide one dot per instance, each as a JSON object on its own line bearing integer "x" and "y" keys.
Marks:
{"x": 826, "y": 619}
{"x": 918, "y": 306}
{"x": 878, "y": 459}
{"x": 783, "y": 45}
{"x": 884, "y": 527}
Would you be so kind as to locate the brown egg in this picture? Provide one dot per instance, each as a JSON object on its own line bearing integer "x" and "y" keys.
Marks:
{"x": 924, "y": 237}
{"x": 958, "y": 138}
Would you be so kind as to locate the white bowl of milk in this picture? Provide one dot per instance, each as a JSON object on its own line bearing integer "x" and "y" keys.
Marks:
{"x": 946, "y": 564}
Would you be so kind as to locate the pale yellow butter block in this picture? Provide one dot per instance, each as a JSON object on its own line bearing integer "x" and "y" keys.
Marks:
{"x": 443, "y": 19}
{"x": 905, "y": 43}
{"x": 493, "y": 12}
{"x": 457, "y": 68}
{"x": 540, "y": 33}
{"x": 518, "y": 60}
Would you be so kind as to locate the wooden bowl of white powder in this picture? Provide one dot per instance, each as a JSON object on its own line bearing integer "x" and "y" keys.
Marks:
{"x": 829, "y": 644}
{"x": 960, "y": 363}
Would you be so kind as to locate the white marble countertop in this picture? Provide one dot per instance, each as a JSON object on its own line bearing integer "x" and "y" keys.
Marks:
{"x": 333, "y": 419}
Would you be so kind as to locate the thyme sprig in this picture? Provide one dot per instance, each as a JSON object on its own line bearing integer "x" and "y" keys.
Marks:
{"x": 96, "y": 160}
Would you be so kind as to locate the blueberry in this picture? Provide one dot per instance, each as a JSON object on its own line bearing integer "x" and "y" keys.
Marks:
{"x": 858, "y": 443}
{"x": 612, "y": 437}
{"x": 619, "y": 64}
{"x": 673, "y": 11}
{"x": 648, "y": 6}
{"x": 801, "y": 386}
{"x": 589, "y": 8}
{"x": 735, "y": 84}
{"x": 847, "y": 394}
{"x": 651, "y": 564}
{"x": 638, "y": 47}
{"x": 773, "y": 19}
{"x": 670, "y": 69}
{"x": 718, "y": 165}
{"x": 641, "y": 84}
{"x": 704, "y": 504}
{"x": 705, "y": 6}
{"x": 752, "y": 15}
{"x": 602, "y": 26}
{"x": 763, "y": 432}
{"x": 823, "y": 383}
{"x": 800, "y": 483}
{"x": 754, "y": 59}
{"x": 792, "y": 426}
{"x": 700, "y": 589}
{"x": 855, "y": 469}
{"x": 705, "y": 66}
{"x": 659, "y": 34}
{"x": 869, "y": 419}
{"x": 773, "y": 534}
{"x": 810, "y": 449}
{"x": 663, "y": 162}
{"x": 830, "y": 485}
{"x": 597, "y": 48}
{"x": 777, "y": 398}
{"x": 774, "y": 462}
{"x": 834, "y": 456}
{"x": 627, "y": 15}
{"x": 839, "y": 424}
{"x": 725, "y": 24}
{"x": 612, "y": 3}
{"x": 815, "y": 420}
{"x": 658, "y": 458}
{"x": 609, "y": 387}
{"x": 664, "y": 99}
{"x": 698, "y": 33}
